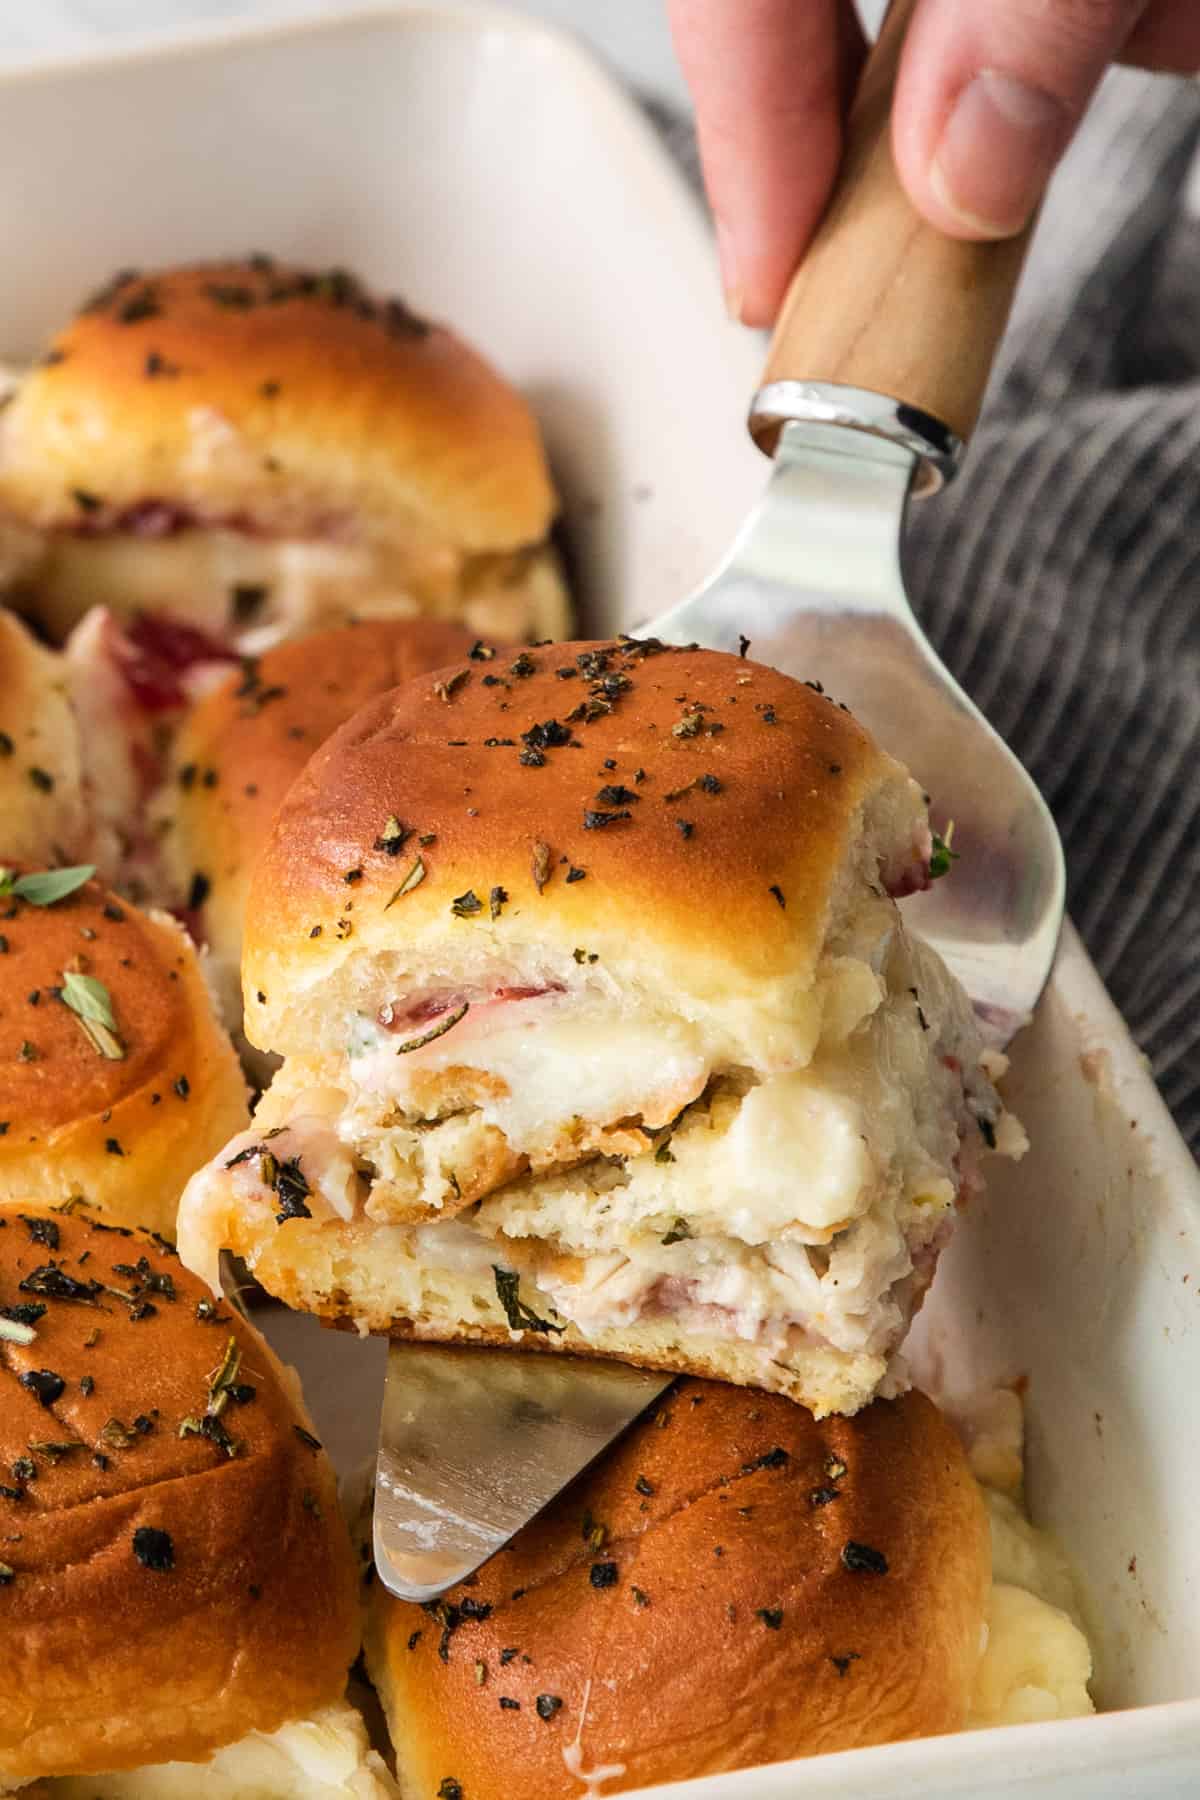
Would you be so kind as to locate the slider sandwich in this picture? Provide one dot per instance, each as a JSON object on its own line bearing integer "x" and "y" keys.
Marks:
{"x": 833, "y": 1583}
{"x": 85, "y": 736}
{"x": 178, "y": 1591}
{"x": 241, "y": 747}
{"x": 257, "y": 450}
{"x": 601, "y": 1030}
{"x": 733, "y": 1584}
{"x": 116, "y": 1079}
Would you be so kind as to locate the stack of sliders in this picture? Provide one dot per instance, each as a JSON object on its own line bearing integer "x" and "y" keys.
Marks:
{"x": 179, "y": 1597}
{"x": 210, "y": 459}
{"x": 601, "y": 1030}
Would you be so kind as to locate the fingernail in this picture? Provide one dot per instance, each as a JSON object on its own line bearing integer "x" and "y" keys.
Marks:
{"x": 996, "y": 153}
{"x": 730, "y": 281}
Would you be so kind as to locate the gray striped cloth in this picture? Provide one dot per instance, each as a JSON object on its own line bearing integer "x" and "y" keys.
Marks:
{"x": 1059, "y": 576}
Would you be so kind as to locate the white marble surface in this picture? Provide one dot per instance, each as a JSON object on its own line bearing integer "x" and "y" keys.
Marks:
{"x": 632, "y": 34}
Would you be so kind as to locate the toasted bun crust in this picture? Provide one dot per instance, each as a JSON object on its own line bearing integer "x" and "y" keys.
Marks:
{"x": 111, "y": 1663}
{"x": 125, "y": 1134}
{"x": 240, "y": 750}
{"x": 786, "y": 799}
{"x": 267, "y": 396}
{"x": 43, "y": 818}
{"x": 689, "y": 1605}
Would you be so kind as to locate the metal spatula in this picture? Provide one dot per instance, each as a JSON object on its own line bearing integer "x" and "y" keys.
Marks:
{"x": 874, "y": 379}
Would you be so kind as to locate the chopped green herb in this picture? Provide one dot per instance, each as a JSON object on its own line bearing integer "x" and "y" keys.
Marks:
{"x": 393, "y": 837}
{"x": 771, "y": 1616}
{"x": 154, "y": 1549}
{"x": 861, "y": 1559}
{"x": 43, "y": 887}
{"x": 519, "y": 1316}
{"x": 680, "y": 1228}
{"x": 770, "y": 1459}
{"x": 466, "y": 905}
{"x": 41, "y": 1231}
{"x": 89, "y": 1000}
{"x": 941, "y": 855}
{"x": 445, "y": 689}
{"x": 45, "y": 1386}
{"x": 438, "y": 1029}
{"x": 413, "y": 879}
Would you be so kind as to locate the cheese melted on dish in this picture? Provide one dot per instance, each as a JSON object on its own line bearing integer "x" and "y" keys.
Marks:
{"x": 1036, "y": 1661}
{"x": 325, "y": 1757}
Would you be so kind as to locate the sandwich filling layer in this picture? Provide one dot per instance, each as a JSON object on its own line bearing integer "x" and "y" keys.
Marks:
{"x": 258, "y": 589}
{"x": 530, "y": 1157}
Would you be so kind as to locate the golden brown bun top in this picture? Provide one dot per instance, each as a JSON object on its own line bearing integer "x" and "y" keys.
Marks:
{"x": 258, "y": 394}
{"x": 51, "y": 1071}
{"x": 684, "y": 810}
{"x": 736, "y": 1582}
{"x": 242, "y": 747}
{"x": 160, "y": 1593}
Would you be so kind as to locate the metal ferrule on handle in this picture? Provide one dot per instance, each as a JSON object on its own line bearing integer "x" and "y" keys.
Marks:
{"x": 937, "y": 449}
{"x": 889, "y": 326}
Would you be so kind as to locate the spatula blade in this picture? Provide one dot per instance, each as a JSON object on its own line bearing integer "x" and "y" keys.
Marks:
{"x": 474, "y": 1442}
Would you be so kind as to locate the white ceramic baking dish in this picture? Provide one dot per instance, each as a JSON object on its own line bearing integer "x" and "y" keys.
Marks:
{"x": 488, "y": 169}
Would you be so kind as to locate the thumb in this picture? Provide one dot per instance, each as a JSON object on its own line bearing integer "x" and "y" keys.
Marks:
{"x": 989, "y": 94}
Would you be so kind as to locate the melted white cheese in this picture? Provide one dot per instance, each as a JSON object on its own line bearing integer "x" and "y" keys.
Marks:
{"x": 1036, "y": 1662}
{"x": 555, "y": 1061}
{"x": 192, "y": 575}
{"x": 325, "y": 1757}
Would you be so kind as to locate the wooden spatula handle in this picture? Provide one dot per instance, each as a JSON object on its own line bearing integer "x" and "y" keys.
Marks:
{"x": 882, "y": 300}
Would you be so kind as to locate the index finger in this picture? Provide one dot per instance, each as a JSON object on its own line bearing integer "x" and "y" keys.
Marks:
{"x": 770, "y": 79}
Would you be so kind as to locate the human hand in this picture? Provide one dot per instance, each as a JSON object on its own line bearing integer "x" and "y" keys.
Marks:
{"x": 988, "y": 96}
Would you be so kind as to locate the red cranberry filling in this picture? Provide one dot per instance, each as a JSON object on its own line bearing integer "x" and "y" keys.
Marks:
{"x": 153, "y": 652}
